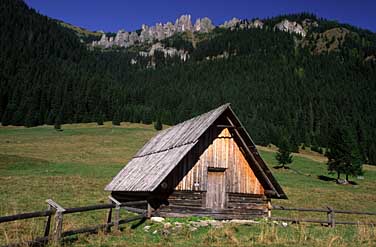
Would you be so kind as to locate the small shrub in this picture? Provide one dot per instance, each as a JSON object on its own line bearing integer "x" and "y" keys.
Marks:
{"x": 158, "y": 125}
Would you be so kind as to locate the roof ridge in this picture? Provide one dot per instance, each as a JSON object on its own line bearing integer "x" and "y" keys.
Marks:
{"x": 164, "y": 150}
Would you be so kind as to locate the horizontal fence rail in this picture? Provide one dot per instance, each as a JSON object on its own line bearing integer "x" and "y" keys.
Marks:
{"x": 57, "y": 211}
{"x": 37, "y": 214}
{"x": 330, "y": 213}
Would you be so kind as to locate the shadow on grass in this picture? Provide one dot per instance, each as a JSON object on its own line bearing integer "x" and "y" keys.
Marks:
{"x": 330, "y": 179}
{"x": 137, "y": 224}
{"x": 281, "y": 167}
{"x": 326, "y": 178}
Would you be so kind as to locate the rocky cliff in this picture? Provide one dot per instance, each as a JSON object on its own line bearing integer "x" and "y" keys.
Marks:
{"x": 155, "y": 33}
{"x": 152, "y": 34}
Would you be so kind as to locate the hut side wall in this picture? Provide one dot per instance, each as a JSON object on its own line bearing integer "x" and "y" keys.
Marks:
{"x": 219, "y": 150}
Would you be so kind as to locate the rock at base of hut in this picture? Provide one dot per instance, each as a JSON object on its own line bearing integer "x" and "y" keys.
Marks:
{"x": 243, "y": 222}
{"x": 157, "y": 219}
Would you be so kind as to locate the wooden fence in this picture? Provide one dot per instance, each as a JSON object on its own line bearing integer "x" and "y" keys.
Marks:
{"x": 58, "y": 212}
{"x": 330, "y": 216}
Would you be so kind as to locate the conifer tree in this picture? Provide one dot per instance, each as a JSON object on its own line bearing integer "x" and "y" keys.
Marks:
{"x": 158, "y": 125}
{"x": 343, "y": 154}
{"x": 283, "y": 155}
{"x": 99, "y": 119}
{"x": 116, "y": 118}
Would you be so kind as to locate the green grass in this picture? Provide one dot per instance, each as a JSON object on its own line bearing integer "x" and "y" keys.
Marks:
{"x": 73, "y": 166}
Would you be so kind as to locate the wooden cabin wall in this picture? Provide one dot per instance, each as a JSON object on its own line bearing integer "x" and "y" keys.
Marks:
{"x": 218, "y": 150}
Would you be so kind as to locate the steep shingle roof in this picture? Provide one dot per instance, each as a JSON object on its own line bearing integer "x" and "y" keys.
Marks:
{"x": 161, "y": 154}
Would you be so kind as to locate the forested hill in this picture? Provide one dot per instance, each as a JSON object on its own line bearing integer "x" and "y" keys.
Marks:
{"x": 282, "y": 85}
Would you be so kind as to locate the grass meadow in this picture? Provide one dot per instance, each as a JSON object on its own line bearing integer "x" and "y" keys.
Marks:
{"x": 73, "y": 166}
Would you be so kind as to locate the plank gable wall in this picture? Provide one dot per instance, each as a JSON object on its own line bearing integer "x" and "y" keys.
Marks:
{"x": 218, "y": 150}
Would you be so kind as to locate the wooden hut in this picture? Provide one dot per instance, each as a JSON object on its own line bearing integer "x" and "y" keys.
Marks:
{"x": 205, "y": 166}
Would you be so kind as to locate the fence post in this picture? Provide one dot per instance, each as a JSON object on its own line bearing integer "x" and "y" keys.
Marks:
{"x": 270, "y": 207}
{"x": 48, "y": 223}
{"x": 149, "y": 211}
{"x": 331, "y": 217}
{"x": 58, "y": 228}
{"x": 109, "y": 219}
{"x": 117, "y": 212}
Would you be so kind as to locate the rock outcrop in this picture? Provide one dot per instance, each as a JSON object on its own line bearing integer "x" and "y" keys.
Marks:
{"x": 203, "y": 25}
{"x": 236, "y": 23}
{"x": 155, "y": 33}
{"x": 231, "y": 23}
{"x": 291, "y": 27}
{"x": 167, "y": 52}
{"x": 161, "y": 31}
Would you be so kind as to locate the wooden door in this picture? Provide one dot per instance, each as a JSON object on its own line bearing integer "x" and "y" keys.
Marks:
{"x": 216, "y": 190}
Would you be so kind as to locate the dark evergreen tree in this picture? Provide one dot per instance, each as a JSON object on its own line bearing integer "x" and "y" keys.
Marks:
{"x": 116, "y": 119}
{"x": 158, "y": 124}
{"x": 99, "y": 119}
{"x": 283, "y": 155}
{"x": 343, "y": 155}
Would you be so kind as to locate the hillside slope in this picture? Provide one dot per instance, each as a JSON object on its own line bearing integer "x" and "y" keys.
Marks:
{"x": 280, "y": 84}
{"x": 73, "y": 166}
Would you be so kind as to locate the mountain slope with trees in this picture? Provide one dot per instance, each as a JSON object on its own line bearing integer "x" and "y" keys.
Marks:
{"x": 278, "y": 85}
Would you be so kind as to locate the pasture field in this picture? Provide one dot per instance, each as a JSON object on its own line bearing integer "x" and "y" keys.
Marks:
{"x": 73, "y": 166}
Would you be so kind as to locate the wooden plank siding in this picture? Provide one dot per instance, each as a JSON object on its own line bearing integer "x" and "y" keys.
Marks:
{"x": 216, "y": 194}
{"x": 239, "y": 206}
{"x": 219, "y": 150}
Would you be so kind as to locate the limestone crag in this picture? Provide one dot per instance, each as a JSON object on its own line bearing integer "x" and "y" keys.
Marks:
{"x": 291, "y": 27}
{"x": 203, "y": 25}
{"x": 155, "y": 33}
{"x": 236, "y": 23}
{"x": 167, "y": 52}
{"x": 161, "y": 31}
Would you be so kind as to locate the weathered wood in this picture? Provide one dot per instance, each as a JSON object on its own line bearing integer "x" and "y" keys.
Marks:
{"x": 247, "y": 195}
{"x": 227, "y": 126}
{"x": 58, "y": 228}
{"x": 162, "y": 153}
{"x": 24, "y": 216}
{"x": 189, "y": 203}
{"x": 251, "y": 156}
{"x": 149, "y": 211}
{"x": 55, "y": 205}
{"x": 88, "y": 208}
{"x": 37, "y": 214}
{"x": 117, "y": 212}
{"x": 275, "y": 207}
{"x": 211, "y": 211}
{"x": 352, "y": 212}
{"x": 48, "y": 223}
{"x": 298, "y": 220}
{"x": 109, "y": 219}
{"x": 218, "y": 215}
{"x": 216, "y": 194}
{"x": 331, "y": 217}
{"x": 41, "y": 241}
{"x": 134, "y": 210}
{"x": 223, "y": 154}
{"x": 269, "y": 209}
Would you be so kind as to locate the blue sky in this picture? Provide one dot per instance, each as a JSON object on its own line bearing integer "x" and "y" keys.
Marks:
{"x": 112, "y": 15}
